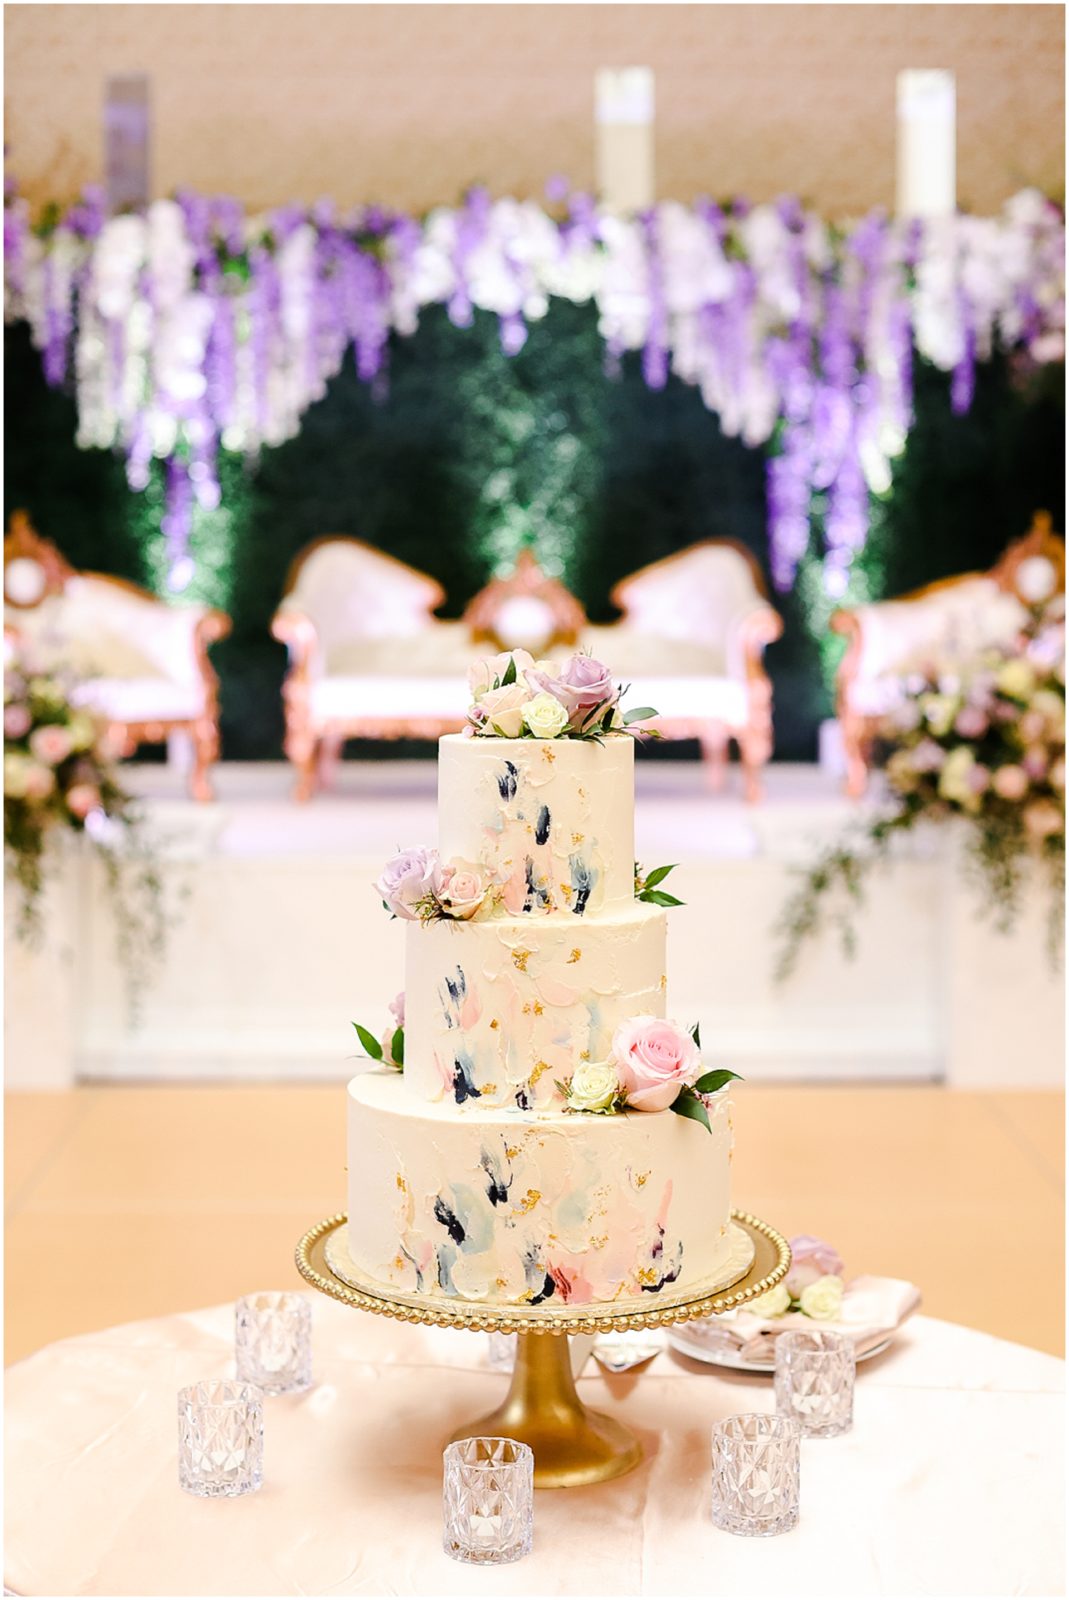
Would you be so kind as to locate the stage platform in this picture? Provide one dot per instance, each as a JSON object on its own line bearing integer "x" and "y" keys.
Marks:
{"x": 279, "y": 942}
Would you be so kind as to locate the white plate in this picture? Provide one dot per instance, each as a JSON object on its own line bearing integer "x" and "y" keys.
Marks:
{"x": 726, "y": 1353}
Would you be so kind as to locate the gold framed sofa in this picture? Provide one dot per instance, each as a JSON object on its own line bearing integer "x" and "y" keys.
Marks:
{"x": 138, "y": 661}
{"x": 368, "y": 658}
{"x": 958, "y": 616}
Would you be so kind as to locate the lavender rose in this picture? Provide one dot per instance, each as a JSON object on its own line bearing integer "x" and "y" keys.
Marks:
{"x": 409, "y": 879}
{"x": 655, "y": 1059}
{"x": 811, "y": 1259}
{"x": 582, "y": 685}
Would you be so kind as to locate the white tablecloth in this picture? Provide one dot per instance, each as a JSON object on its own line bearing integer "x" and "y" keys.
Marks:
{"x": 949, "y": 1484}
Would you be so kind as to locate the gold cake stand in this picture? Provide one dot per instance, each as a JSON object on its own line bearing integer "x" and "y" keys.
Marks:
{"x": 571, "y": 1444}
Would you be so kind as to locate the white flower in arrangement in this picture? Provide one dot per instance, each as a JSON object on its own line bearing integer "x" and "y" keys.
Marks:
{"x": 545, "y": 717}
{"x": 956, "y": 781}
{"x": 775, "y": 1302}
{"x": 594, "y": 1086}
{"x": 939, "y": 712}
{"x": 1016, "y": 678}
{"x": 823, "y": 1300}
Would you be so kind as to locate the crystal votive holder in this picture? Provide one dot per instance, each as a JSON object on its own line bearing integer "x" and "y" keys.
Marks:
{"x": 220, "y": 1438}
{"x": 487, "y": 1500}
{"x": 815, "y": 1381}
{"x": 273, "y": 1341}
{"x": 755, "y": 1474}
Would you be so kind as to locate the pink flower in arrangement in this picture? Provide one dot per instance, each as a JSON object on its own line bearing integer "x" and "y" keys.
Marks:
{"x": 1010, "y": 782}
{"x": 928, "y": 756}
{"x": 39, "y": 781}
{"x": 503, "y": 709}
{"x": 407, "y": 879}
{"x": 582, "y": 685}
{"x": 655, "y": 1059}
{"x": 81, "y": 799}
{"x": 1043, "y": 819}
{"x": 482, "y": 674}
{"x": 1033, "y": 726}
{"x": 397, "y": 1009}
{"x": 970, "y": 723}
{"x": 811, "y": 1259}
{"x": 17, "y": 721}
{"x": 461, "y": 890}
{"x": 1035, "y": 762}
{"x": 51, "y": 744}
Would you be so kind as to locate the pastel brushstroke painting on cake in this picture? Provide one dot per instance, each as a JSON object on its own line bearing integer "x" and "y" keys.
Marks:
{"x": 551, "y": 1136}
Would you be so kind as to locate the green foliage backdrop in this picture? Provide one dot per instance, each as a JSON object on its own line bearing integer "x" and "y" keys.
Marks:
{"x": 467, "y": 454}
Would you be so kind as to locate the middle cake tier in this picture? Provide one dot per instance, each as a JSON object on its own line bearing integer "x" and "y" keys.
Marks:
{"x": 498, "y": 1011}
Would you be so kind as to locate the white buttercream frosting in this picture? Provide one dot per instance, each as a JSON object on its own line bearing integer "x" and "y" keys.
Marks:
{"x": 498, "y": 1011}
{"x": 553, "y": 819}
{"x": 503, "y": 1207}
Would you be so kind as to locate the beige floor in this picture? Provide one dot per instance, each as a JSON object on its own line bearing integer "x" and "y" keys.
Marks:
{"x": 130, "y": 1202}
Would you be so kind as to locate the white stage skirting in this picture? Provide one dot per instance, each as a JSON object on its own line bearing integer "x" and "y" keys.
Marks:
{"x": 281, "y": 942}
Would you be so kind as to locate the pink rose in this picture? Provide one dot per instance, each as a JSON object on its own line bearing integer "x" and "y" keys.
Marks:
{"x": 1033, "y": 726}
{"x": 655, "y": 1059}
{"x": 397, "y": 1009}
{"x": 407, "y": 879}
{"x": 482, "y": 674}
{"x": 1035, "y": 762}
{"x": 502, "y": 709}
{"x": 928, "y": 756}
{"x": 17, "y": 721}
{"x": 51, "y": 744}
{"x": 582, "y": 686}
{"x": 462, "y": 890}
{"x": 811, "y": 1259}
{"x": 1043, "y": 819}
{"x": 1010, "y": 782}
{"x": 81, "y": 799}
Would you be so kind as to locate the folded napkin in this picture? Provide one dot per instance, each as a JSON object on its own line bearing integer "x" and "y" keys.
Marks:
{"x": 872, "y": 1309}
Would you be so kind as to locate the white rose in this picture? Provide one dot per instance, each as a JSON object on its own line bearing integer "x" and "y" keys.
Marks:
{"x": 955, "y": 780}
{"x": 1016, "y": 679}
{"x": 773, "y": 1303}
{"x": 545, "y": 717}
{"x": 823, "y": 1300}
{"x": 594, "y": 1086}
{"x": 939, "y": 712}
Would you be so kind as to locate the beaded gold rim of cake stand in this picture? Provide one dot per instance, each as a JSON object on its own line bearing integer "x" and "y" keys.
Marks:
{"x": 512, "y": 1319}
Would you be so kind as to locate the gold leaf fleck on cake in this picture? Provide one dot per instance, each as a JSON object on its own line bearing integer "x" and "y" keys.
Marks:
{"x": 664, "y": 981}
{"x": 530, "y": 1200}
{"x": 640, "y": 1179}
{"x": 520, "y": 959}
{"x": 538, "y": 1008}
{"x": 511, "y": 1151}
{"x": 494, "y": 1023}
{"x": 582, "y": 794}
{"x": 647, "y": 1275}
{"x": 501, "y": 1283}
{"x": 526, "y": 1008}
{"x": 584, "y": 1055}
{"x": 488, "y": 1088}
{"x": 566, "y": 890}
{"x": 537, "y": 1071}
{"x": 600, "y": 1242}
{"x": 398, "y": 1264}
{"x": 575, "y": 956}
{"x": 550, "y": 755}
{"x": 400, "y": 1182}
{"x": 577, "y": 838}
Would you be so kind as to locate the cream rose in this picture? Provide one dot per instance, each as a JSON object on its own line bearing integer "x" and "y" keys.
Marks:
{"x": 823, "y": 1300}
{"x": 545, "y": 717}
{"x": 1016, "y": 679}
{"x": 594, "y": 1086}
{"x": 655, "y": 1059}
{"x": 955, "y": 780}
{"x": 501, "y": 710}
{"x": 773, "y": 1303}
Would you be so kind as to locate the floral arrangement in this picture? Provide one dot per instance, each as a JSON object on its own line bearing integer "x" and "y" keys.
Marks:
{"x": 979, "y": 742}
{"x": 813, "y": 1286}
{"x": 191, "y": 327}
{"x": 653, "y": 1065}
{"x": 417, "y": 886}
{"x": 389, "y": 1051}
{"x": 59, "y": 775}
{"x": 516, "y": 697}
{"x": 647, "y": 886}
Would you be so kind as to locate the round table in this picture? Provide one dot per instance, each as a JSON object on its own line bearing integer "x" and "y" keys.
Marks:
{"x": 949, "y": 1484}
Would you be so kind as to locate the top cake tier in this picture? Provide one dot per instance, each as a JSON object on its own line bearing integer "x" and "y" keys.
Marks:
{"x": 553, "y": 819}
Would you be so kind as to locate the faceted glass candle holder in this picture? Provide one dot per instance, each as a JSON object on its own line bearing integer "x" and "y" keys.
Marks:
{"x": 488, "y": 1500}
{"x": 273, "y": 1341}
{"x": 755, "y": 1474}
{"x": 815, "y": 1381}
{"x": 220, "y": 1438}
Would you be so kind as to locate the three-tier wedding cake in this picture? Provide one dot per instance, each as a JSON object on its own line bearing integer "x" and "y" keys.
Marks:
{"x": 531, "y": 1149}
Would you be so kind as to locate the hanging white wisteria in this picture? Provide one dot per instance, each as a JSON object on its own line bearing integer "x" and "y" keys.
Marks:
{"x": 191, "y": 327}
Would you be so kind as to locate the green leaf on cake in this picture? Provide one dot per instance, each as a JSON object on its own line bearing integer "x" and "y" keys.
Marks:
{"x": 397, "y": 1046}
{"x": 712, "y": 1081}
{"x": 639, "y": 714}
{"x": 696, "y": 1034}
{"x": 510, "y": 673}
{"x": 658, "y": 875}
{"x": 369, "y": 1042}
{"x": 658, "y": 897}
{"x": 687, "y": 1104}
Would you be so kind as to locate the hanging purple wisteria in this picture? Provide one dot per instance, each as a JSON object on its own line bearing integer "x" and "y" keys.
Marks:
{"x": 191, "y": 327}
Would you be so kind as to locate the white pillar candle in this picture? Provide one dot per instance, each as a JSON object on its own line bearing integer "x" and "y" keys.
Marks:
{"x": 623, "y": 122}
{"x": 926, "y": 143}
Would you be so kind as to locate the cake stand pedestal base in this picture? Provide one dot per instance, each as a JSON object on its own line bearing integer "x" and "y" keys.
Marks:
{"x": 571, "y": 1445}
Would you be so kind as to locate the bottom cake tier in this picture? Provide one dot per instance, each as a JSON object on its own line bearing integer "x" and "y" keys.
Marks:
{"x": 506, "y": 1207}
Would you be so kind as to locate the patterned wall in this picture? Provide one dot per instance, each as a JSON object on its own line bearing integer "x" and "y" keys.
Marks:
{"x": 410, "y": 104}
